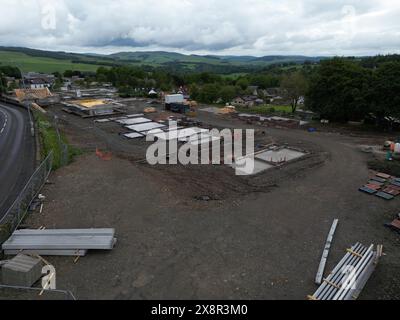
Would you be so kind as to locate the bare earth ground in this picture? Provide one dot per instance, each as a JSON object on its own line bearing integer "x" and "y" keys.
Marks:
{"x": 261, "y": 238}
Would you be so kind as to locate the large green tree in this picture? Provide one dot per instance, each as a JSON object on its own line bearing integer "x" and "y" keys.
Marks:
{"x": 243, "y": 83}
{"x": 295, "y": 86}
{"x": 209, "y": 93}
{"x": 385, "y": 90}
{"x": 339, "y": 90}
{"x": 227, "y": 93}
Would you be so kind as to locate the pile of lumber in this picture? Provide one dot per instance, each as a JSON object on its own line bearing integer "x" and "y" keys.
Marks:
{"x": 227, "y": 110}
{"x": 150, "y": 110}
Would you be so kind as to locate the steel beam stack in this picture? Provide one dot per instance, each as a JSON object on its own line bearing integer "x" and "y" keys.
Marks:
{"x": 74, "y": 242}
{"x": 351, "y": 274}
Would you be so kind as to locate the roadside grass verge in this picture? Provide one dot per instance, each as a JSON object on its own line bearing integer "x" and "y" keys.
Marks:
{"x": 51, "y": 140}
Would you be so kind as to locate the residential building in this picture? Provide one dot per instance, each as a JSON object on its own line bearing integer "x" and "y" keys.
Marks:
{"x": 247, "y": 101}
{"x": 253, "y": 90}
{"x": 34, "y": 80}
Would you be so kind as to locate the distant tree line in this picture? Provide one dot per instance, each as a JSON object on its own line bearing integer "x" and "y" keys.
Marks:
{"x": 70, "y": 74}
{"x": 111, "y": 63}
{"x": 376, "y": 61}
{"x": 205, "y": 87}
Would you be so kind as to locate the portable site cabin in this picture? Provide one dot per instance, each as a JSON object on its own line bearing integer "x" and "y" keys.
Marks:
{"x": 176, "y": 103}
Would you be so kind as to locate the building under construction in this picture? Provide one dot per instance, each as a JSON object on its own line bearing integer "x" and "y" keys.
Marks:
{"x": 42, "y": 97}
{"x": 93, "y": 107}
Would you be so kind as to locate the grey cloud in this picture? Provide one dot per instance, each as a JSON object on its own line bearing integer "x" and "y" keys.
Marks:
{"x": 256, "y": 27}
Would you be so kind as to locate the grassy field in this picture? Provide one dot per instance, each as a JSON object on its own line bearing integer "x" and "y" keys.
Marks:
{"x": 28, "y": 63}
{"x": 28, "y": 59}
{"x": 267, "y": 109}
{"x": 158, "y": 58}
{"x": 234, "y": 76}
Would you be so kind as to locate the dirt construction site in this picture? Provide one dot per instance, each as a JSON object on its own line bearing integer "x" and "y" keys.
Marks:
{"x": 203, "y": 232}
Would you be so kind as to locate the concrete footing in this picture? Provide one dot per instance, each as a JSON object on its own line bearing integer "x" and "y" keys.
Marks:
{"x": 21, "y": 271}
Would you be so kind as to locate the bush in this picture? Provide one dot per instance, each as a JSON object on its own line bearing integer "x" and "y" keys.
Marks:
{"x": 51, "y": 141}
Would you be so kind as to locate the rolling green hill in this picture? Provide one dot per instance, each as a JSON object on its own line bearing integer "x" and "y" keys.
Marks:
{"x": 50, "y": 61}
{"x": 28, "y": 63}
{"x": 161, "y": 57}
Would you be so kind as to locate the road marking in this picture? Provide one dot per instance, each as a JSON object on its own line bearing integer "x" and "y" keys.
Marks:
{"x": 5, "y": 121}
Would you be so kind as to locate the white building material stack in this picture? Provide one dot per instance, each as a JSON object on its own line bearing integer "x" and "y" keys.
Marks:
{"x": 74, "y": 242}
{"x": 174, "y": 98}
{"x": 349, "y": 277}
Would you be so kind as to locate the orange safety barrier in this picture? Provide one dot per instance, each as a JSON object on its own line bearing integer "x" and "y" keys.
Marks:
{"x": 106, "y": 156}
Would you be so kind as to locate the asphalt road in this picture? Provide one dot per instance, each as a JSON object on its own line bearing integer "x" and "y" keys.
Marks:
{"x": 17, "y": 153}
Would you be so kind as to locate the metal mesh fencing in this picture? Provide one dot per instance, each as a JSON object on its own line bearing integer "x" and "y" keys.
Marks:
{"x": 24, "y": 293}
{"x": 16, "y": 213}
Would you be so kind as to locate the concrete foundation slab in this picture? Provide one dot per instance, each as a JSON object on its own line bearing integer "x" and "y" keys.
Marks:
{"x": 132, "y": 121}
{"x": 180, "y": 135}
{"x": 133, "y": 135}
{"x": 204, "y": 140}
{"x": 259, "y": 167}
{"x": 135, "y": 115}
{"x": 102, "y": 121}
{"x": 279, "y": 156}
{"x": 145, "y": 127}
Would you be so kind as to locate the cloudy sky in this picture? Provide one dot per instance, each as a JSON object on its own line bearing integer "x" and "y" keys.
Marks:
{"x": 238, "y": 27}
